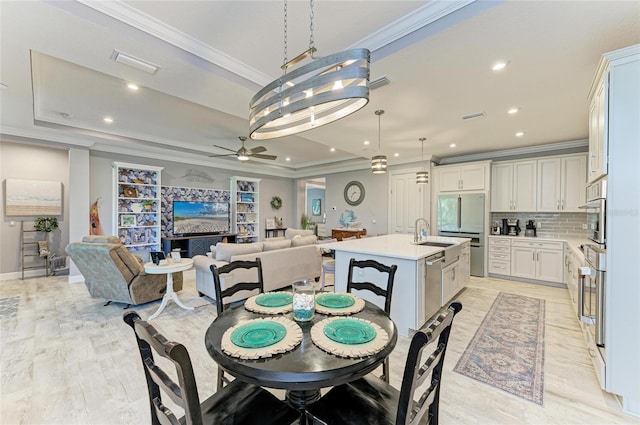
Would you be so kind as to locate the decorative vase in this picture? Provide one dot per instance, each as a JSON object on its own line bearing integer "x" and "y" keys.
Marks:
{"x": 304, "y": 302}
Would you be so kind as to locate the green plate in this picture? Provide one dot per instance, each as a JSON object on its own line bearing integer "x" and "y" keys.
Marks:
{"x": 349, "y": 331}
{"x": 275, "y": 299}
{"x": 261, "y": 333}
{"x": 335, "y": 300}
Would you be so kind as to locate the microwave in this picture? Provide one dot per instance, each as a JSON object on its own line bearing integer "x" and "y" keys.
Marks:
{"x": 596, "y": 212}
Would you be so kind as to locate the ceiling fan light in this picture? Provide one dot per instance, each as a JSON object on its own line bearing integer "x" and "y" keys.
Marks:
{"x": 242, "y": 157}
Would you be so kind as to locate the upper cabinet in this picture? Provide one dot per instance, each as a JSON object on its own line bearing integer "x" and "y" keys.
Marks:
{"x": 513, "y": 186}
{"x": 561, "y": 183}
{"x": 137, "y": 206}
{"x": 456, "y": 178}
{"x": 598, "y": 137}
{"x": 245, "y": 217}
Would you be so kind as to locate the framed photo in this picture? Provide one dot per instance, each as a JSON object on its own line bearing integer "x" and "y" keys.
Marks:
{"x": 316, "y": 207}
{"x": 270, "y": 223}
{"x": 127, "y": 220}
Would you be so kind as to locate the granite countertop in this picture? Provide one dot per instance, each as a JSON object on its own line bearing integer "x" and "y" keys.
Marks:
{"x": 396, "y": 246}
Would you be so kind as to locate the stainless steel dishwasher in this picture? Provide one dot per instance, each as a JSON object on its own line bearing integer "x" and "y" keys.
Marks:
{"x": 434, "y": 264}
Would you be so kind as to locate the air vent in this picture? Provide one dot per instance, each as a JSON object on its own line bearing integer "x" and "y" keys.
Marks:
{"x": 475, "y": 116}
{"x": 376, "y": 84}
{"x": 134, "y": 62}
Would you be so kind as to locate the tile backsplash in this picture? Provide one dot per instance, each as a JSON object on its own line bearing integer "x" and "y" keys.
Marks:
{"x": 554, "y": 225}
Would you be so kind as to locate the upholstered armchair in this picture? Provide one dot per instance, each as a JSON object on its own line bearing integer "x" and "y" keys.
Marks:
{"x": 113, "y": 273}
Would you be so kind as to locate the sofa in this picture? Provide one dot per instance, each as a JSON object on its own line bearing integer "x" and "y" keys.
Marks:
{"x": 113, "y": 273}
{"x": 284, "y": 260}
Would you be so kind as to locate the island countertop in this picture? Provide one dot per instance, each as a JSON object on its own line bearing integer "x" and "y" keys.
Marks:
{"x": 395, "y": 246}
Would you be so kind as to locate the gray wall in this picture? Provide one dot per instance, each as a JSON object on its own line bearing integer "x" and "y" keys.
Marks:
{"x": 30, "y": 162}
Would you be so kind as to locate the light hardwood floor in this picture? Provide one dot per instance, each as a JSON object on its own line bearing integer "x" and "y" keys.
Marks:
{"x": 66, "y": 359}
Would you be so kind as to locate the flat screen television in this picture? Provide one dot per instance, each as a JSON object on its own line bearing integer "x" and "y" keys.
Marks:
{"x": 200, "y": 218}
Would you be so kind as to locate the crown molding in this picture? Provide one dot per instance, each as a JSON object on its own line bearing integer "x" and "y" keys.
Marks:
{"x": 528, "y": 151}
{"x": 421, "y": 17}
{"x": 156, "y": 28}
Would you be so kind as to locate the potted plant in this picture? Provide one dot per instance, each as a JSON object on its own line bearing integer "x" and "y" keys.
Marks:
{"x": 46, "y": 224}
{"x": 305, "y": 222}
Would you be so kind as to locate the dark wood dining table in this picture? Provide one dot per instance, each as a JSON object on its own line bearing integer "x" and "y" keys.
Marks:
{"x": 306, "y": 369}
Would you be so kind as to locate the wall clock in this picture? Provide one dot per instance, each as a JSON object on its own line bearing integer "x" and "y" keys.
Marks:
{"x": 354, "y": 193}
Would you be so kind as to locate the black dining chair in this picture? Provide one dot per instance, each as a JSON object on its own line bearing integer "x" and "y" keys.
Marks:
{"x": 233, "y": 289}
{"x": 237, "y": 403}
{"x": 369, "y": 286}
{"x": 373, "y": 401}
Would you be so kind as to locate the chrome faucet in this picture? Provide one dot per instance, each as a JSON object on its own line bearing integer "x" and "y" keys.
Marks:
{"x": 417, "y": 233}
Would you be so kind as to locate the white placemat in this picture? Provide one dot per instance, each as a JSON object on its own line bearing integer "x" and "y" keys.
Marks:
{"x": 348, "y": 350}
{"x": 251, "y": 305}
{"x": 288, "y": 343}
{"x": 357, "y": 307}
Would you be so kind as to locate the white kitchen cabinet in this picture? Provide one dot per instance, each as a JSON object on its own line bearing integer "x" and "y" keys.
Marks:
{"x": 500, "y": 255}
{"x": 513, "y": 186}
{"x": 561, "y": 182}
{"x": 538, "y": 260}
{"x": 450, "y": 282}
{"x": 598, "y": 137}
{"x": 455, "y": 178}
{"x": 465, "y": 265}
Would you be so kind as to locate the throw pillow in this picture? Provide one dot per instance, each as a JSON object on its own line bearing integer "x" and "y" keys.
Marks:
{"x": 224, "y": 251}
{"x": 290, "y": 233}
{"x": 304, "y": 240}
{"x": 273, "y": 245}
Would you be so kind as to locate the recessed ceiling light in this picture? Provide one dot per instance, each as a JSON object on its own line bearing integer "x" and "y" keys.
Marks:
{"x": 520, "y": 134}
{"x": 452, "y": 145}
{"x": 108, "y": 120}
{"x": 513, "y": 111}
{"x": 498, "y": 66}
{"x": 287, "y": 159}
{"x": 366, "y": 142}
{"x": 332, "y": 149}
{"x": 396, "y": 154}
{"x": 133, "y": 86}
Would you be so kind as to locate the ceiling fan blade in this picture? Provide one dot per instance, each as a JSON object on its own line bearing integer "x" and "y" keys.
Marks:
{"x": 226, "y": 149}
{"x": 221, "y": 155}
{"x": 263, "y": 156}
{"x": 258, "y": 149}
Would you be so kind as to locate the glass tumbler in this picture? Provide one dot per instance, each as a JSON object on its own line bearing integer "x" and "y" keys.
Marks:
{"x": 304, "y": 302}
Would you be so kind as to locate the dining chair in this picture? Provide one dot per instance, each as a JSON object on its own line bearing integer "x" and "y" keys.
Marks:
{"x": 237, "y": 403}
{"x": 328, "y": 266}
{"x": 373, "y": 401}
{"x": 369, "y": 286}
{"x": 233, "y": 289}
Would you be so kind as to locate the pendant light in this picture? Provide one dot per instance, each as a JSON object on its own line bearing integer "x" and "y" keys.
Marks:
{"x": 422, "y": 177}
{"x": 379, "y": 162}
{"x": 313, "y": 95}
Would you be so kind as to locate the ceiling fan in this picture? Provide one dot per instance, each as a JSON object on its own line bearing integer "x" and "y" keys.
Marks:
{"x": 243, "y": 154}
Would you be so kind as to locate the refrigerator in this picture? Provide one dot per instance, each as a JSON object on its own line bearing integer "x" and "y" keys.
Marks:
{"x": 462, "y": 216}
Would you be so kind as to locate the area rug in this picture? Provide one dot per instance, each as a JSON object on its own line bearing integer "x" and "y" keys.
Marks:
{"x": 507, "y": 350}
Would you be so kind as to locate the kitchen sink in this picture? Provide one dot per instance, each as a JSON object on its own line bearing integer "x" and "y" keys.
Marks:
{"x": 431, "y": 243}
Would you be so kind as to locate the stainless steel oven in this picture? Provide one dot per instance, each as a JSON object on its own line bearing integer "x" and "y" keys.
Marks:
{"x": 592, "y": 290}
{"x": 596, "y": 211}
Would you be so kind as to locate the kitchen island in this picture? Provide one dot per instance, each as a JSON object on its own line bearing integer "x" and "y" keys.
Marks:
{"x": 414, "y": 293}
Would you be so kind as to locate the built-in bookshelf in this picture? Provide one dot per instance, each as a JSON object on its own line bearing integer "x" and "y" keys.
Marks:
{"x": 137, "y": 206}
{"x": 245, "y": 215}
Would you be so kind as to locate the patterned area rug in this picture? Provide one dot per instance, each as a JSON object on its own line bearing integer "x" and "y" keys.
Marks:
{"x": 507, "y": 350}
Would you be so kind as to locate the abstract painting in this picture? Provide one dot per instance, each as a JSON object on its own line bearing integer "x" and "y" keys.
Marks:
{"x": 33, "y": 197}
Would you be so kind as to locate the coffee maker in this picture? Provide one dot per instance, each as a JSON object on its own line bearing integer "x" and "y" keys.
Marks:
{"x": 530, "y": 228}
{"x": 510, "y": 226}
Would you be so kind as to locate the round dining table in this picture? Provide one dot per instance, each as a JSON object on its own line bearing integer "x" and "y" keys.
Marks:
{"x": 306, "y": 369}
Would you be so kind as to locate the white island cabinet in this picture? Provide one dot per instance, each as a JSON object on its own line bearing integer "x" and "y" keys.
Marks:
{"x": 409, "y": 292}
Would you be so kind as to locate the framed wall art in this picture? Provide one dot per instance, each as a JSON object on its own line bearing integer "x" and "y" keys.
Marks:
{"x": 128, "y": 220}
{"x": 33, "y": 197}
{"x": 316, "y": 207}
